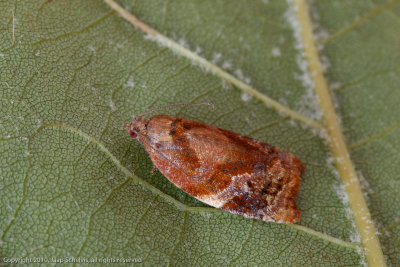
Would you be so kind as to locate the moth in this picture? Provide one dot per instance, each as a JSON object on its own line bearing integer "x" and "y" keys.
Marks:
{"x": 222, "y": 168}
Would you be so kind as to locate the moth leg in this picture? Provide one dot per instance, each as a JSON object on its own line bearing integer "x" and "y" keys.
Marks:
{"x": 153, "y": 169}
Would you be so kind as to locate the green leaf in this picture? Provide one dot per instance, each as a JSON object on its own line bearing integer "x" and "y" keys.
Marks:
{"x": 73, "y": 184}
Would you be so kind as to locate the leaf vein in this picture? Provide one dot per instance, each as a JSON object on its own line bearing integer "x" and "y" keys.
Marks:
{"x": 375, "y": 137}
{"x": 365, "y": 78}
{"x": 18, "y": 209}
{"x": 240, "y": 254}
{"x": 67, "y": 34}
{"x": 180, "y": 240}
{"x": 90, "y": 227}
{"x": 357, "y": 23}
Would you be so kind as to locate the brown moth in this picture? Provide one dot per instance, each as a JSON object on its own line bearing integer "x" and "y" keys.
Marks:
{"x": 222, "y": 168}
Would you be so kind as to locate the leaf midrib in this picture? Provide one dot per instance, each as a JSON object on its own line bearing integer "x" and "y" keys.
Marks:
{"x": 337, "y": 145}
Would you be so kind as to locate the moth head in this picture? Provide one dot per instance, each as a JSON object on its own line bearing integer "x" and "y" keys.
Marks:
{"x": 139, "y": 125}
{"x": 135, "y": 127}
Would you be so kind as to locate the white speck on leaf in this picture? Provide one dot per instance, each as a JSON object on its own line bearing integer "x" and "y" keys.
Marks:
{"x": 226, "y": 85}
{"x": 183, "y": 43}
{"x": 112, "y": 105}
{"x": 216, "y": 58}
{"x": 246, "y": 97}
{"x": 276, "y": 52}
{"x": 340, "y": 190}
{"x": 239, "y": 74}
{"x": 309, "y": 103}
{"x": 91, "y": 48}
{"x": 335, "y": 85}
{"x": 206, "y": 214}
{"x": 130, "y": 83}
{"x": 366, "y": 188}
{"x": 227, "y": 65}
{"x": 198, "y": 50}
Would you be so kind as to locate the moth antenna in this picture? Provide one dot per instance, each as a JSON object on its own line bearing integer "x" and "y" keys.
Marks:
{"x": 175, "y": 106}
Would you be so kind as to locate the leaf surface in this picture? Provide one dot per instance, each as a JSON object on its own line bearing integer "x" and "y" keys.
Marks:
{"x": 74, "y": 184}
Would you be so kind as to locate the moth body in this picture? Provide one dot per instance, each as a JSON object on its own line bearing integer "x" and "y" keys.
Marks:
{"x": 222, "y": 168}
